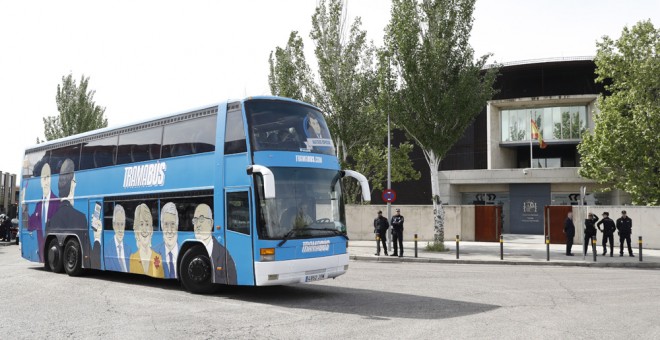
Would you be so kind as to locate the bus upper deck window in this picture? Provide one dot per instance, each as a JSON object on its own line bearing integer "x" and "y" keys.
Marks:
{"x": 235, "y": 133}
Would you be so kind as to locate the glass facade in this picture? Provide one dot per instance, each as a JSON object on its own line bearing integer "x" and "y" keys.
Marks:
{"x": 554, "y": 123}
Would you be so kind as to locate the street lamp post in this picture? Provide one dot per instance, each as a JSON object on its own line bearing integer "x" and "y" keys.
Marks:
{"x": 389, "y": 180}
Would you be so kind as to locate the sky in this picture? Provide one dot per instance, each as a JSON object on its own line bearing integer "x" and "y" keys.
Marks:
{"x": 150, "y": 58}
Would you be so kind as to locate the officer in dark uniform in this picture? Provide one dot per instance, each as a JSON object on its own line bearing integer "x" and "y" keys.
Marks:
{"x": 624, "y": 226}
{"x": 589, "y": 231}
{"x": 569, "y": 230}
{"x": 380, "y": 228}
{"x": 608, "y": 232}
{"x": 397, "y": 233}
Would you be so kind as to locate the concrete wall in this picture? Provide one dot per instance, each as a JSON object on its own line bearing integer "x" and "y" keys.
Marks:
{"x": 419, "y": 220}
{"x": 646, "y": 223}
{"x": 459, "y": 219}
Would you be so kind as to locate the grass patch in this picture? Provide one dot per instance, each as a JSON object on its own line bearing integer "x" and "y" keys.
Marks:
{"x": 438, "y": 247}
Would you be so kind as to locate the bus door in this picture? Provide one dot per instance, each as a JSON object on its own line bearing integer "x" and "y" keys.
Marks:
{"x": 238, "y": 233}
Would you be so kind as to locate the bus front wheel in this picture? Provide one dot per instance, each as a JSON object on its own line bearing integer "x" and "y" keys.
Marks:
{"x": 54, "y": 257}
{"x": 72, "y": 258}
{"x": 196, "y": 271}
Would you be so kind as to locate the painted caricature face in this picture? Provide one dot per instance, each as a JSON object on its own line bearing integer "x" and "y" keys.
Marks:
{"x": 144, "y": 229}
{"x": 170, "y": 224}
{"x": 45, "y": 180}
{"x": 314, "y": 123}
{"x": 119, "y": 223}
{"x": 203, "y": 222}
{"x": 97, "y": 227}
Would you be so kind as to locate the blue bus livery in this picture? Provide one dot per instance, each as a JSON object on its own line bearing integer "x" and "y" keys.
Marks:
{"x": 245, "y": 192}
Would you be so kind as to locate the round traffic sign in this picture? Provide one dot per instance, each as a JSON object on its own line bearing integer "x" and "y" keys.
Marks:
{"x": 389, "y": 195}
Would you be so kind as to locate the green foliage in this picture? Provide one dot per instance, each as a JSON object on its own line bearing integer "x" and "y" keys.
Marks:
{"x": 371, "y": 161}
{"x": 622, "y": 151}
{"x": 438, "y": 247}
{"x": 345, "y": 78}
{"x": 289, "y": 72}
{"x": 443, "y": 87}
{"x": 78, "y": 111}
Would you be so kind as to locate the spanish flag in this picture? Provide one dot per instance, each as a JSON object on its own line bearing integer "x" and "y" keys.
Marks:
{"x": 536, "y": 134}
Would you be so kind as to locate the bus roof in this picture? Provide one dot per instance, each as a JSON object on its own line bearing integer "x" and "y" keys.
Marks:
{"x": 101, "y": 131}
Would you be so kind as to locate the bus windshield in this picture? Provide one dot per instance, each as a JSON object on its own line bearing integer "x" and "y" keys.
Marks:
{"x": 287, "y": 126}
{"x": 308, "y": 204}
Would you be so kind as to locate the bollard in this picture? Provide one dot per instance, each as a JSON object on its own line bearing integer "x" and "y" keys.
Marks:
{"x": 458, "y": 249}
{"x": 415, "y": 245}
{"x": 547, "y": 248}
{"x": 640, "y": 249}
{"x": 501, "y": 247}
{"x": 593, "y": 247}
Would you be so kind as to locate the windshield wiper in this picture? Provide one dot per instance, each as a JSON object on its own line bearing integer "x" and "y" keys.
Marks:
{"x": 335, "y": 231}
{"x": 286, "y": 236}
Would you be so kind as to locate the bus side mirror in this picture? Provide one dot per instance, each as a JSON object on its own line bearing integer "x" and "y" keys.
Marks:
{"x": 269, "y": 179}
{"x": 364, "y": 184}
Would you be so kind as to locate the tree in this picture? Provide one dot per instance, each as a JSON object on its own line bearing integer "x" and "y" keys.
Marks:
{"x": 290, "y": 75}
{"x": 78, "y": 111}
{"x": 442, "y": 88}
{"x": 345, "y": 78}
{"x": 345, "y": 90}
{"x": 622, "y": 151}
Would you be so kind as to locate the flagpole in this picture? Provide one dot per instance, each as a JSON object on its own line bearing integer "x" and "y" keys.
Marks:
{"x": 531, "y": 162}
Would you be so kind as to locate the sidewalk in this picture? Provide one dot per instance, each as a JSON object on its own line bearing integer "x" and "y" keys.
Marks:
{"x": 518, "y": 250}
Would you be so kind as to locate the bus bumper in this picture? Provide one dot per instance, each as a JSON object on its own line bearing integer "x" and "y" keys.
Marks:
{"x": 298, "y": 271}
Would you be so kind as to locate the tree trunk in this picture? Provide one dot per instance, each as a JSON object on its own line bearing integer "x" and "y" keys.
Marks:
{"x": 438, "y": 210}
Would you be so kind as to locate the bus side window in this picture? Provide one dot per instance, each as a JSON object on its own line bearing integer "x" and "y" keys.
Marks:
{"x": 186, "y": 209}
{"x": 235, "y": 133}
{"x": 143, "y": 145}
{"x": 98, "y": 153}
{"x": 189, "y": 137}
{"x": 238, "y": 212}
{"x": 59, "y": 155}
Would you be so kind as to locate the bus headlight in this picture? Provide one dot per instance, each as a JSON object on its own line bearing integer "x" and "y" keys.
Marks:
{"x": 267, "y": 254}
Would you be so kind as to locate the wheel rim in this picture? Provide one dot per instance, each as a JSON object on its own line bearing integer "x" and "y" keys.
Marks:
{"x": 199, "y": 270}
{"x": 71, "y": 257}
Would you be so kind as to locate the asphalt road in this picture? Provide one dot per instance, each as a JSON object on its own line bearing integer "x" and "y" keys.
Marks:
{"x": 372, "y": 301}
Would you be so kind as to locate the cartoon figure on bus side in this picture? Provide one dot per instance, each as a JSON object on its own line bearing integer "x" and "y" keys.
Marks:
{"x": 115, "y": 248}
{"x": 203, "y": 223}
{"x": 145, "y": 260}
{"x": 97, "y": 230}
{"x": 169, "y": 224}
{"x": 67, "y": 217}
{"x": 44, "y": 210}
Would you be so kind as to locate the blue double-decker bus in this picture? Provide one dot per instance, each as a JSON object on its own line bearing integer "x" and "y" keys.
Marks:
{"x": 244, "y": 192}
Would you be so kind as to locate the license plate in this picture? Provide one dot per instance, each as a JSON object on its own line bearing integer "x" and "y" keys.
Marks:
{"x": 315, "y": 277}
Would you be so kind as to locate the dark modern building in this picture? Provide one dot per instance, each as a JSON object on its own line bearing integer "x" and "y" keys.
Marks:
{"x": 490, "y": 164}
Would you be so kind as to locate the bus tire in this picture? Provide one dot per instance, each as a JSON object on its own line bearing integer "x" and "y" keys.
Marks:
{"x": 54, "y": 261}
{"x": 72, "y": 258}
{"x": 196, "y": 271}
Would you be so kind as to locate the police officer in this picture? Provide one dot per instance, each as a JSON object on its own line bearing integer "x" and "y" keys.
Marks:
{"x": 569, "y": 231}
{"x": 608, "y": 232}
{"x": 589, "y": 231}
{"x": 624, "y": 226}
{"x": 397, "y": 233}
{"x": 380, "y": 228}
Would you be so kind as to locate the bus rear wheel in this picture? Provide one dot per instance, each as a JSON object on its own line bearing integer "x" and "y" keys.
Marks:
{"x": 54, "y": 257}
{"x": 196, "y": 271}
{"x": 72, "y": 258}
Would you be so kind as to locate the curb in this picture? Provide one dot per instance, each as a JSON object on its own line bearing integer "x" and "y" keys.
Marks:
{"x": 643, "y": 265}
